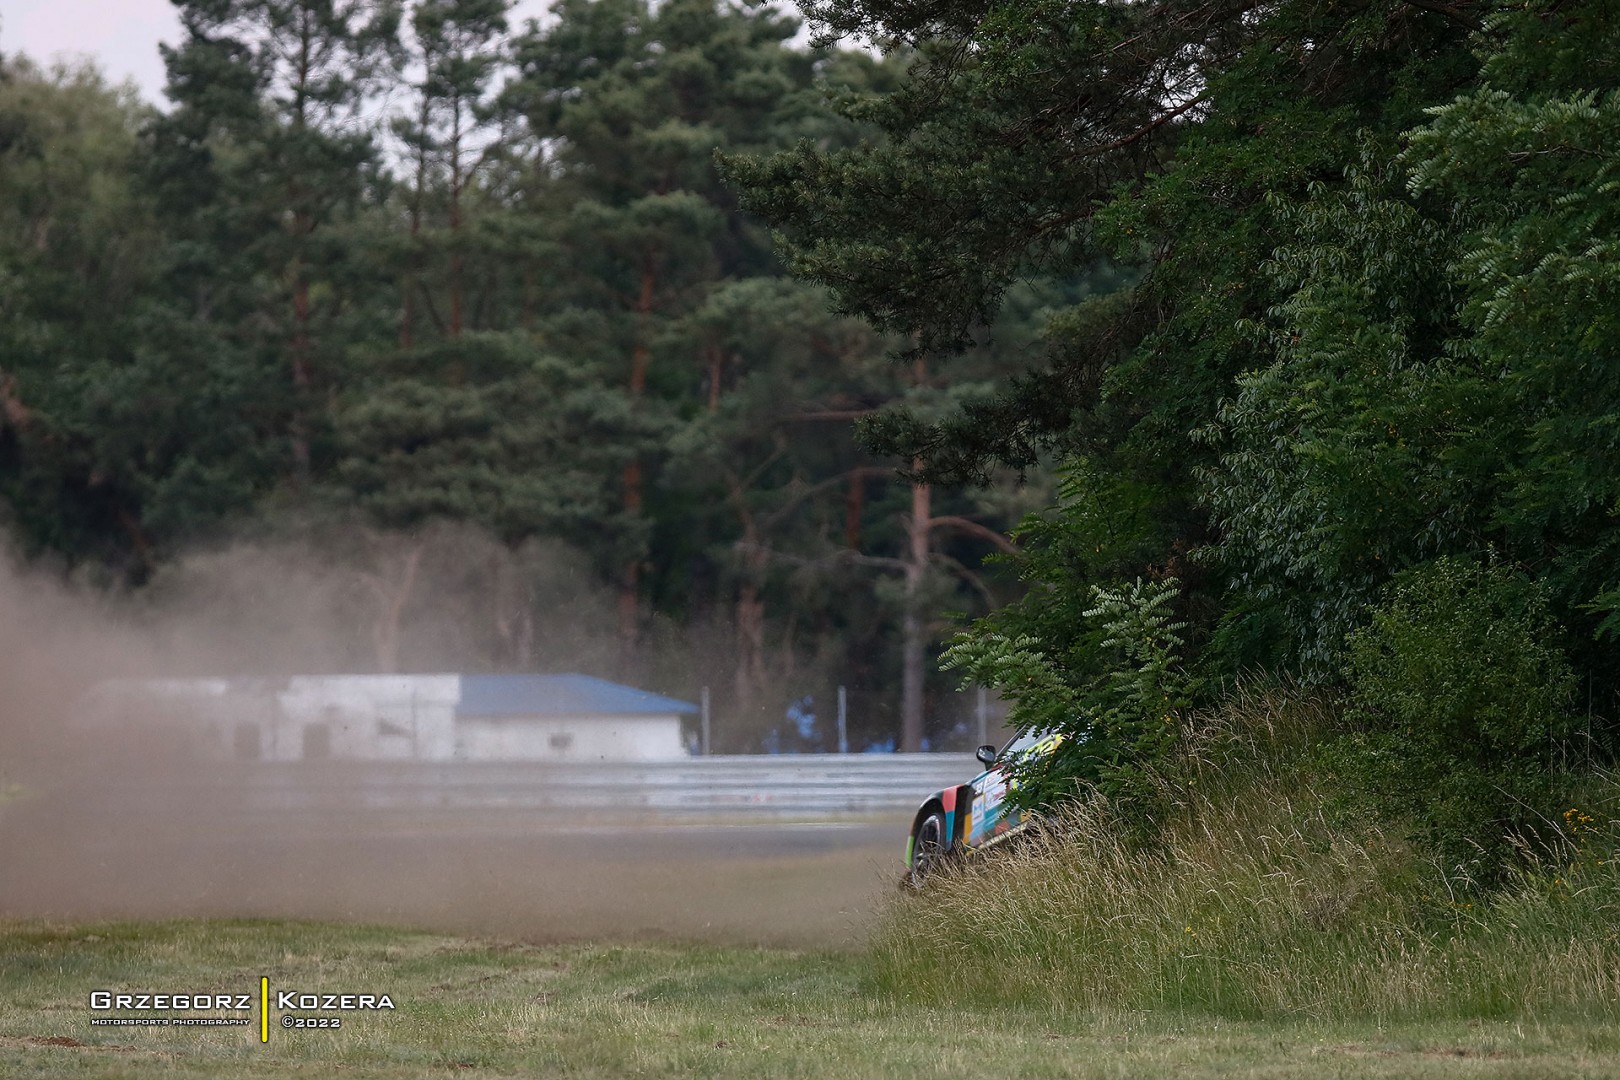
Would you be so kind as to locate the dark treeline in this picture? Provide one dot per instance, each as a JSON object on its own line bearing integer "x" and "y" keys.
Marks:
{"x": 1312, "y": 302}
{"x": 376, "y": 269}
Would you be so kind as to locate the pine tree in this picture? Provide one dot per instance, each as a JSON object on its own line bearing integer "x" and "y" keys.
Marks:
{"x": 636, "y": 101}
{"x": 263, "y": 161}
{"x": 451, "y": 131}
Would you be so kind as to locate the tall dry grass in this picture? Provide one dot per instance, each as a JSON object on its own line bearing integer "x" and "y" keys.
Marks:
{"x": 1263, "y": 895}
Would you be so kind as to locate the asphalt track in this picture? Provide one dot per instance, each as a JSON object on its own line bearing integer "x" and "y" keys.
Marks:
{"x": 527, "y": 876}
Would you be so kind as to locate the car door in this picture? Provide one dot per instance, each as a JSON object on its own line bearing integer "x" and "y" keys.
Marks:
{"x": 993, "y": 814}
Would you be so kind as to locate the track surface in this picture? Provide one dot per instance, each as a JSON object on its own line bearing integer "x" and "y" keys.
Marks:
{"x": 528, "y": 876}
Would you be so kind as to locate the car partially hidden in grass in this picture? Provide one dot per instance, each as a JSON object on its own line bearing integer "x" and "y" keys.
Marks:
{"x": 976, "y": 815}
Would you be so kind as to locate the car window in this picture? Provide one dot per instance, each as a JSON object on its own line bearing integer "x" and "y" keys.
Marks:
{"x": 1019, "y": 745}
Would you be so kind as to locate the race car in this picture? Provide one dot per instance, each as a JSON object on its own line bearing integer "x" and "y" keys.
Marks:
{"x": 974, "y": 816}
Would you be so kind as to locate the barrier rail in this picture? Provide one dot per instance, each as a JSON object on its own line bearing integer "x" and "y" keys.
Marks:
{"x": 808, "y": 785}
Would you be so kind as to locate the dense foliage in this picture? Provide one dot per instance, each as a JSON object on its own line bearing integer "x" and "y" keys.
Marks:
{"x": 1459, "y": 699}
{"x": 1369, "y": 328}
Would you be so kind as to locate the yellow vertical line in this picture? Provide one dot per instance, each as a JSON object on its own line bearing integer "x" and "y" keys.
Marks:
{"x": 264, "y": 1008}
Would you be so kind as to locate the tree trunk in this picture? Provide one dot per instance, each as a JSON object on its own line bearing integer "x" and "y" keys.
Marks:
{"x": 407, "y": 320}
{"x": 455, "y": 217}
{"x": 912, "y": 641}
{"x": 12, "y": 409}
{"x": 630, "y": 575}
{"x": 303, "y": 223}
{"x": 513, "y": 609}
{"x": 303, "y": 373}
{"x": 393, "y": 596}
{"x": 716, "y": 358}
{"x": 854, "y": 509}
{"x": 630, "y": 578}
{"x": 751, "y": 673}
{"x": 139, "y": 542}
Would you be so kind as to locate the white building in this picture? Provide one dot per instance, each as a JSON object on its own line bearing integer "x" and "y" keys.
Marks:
{"x": 560, "y": 718}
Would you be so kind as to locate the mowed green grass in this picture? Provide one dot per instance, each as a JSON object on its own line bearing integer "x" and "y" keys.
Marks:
{"x": 470, "y": 1008}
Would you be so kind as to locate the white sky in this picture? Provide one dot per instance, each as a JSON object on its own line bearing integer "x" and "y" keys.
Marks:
{"x": 120, "y": 35}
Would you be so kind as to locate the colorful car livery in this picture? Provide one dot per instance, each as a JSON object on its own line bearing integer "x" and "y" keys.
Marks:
{"x": 972, "y": 816}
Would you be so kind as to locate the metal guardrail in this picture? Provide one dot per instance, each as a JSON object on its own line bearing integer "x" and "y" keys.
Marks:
{"x": 809, "y": 785}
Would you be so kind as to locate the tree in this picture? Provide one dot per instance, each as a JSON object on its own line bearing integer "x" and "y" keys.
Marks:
{"x": 1460, "y": 695}
{"x": 767, "y": 454}
{"x": 449, "y": 132}
{"x": 101, "y": 460}
{"x": 260, "y": 162}
{"x": 1527, "y": 165}
{"x": 636, "y": 101}
{"x": 1441, "y": 383}
{"x": 1176, "y": 141}
{"x": 553, "y": 322}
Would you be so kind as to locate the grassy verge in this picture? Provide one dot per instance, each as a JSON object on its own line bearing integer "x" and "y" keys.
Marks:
{"x": 480, "y": 1008}
{"x": 1264, "y": 897}
{"x": 1268, "y": 932}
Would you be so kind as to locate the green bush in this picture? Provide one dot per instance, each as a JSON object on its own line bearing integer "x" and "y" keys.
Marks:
{"x": 1119, "y": 719}
{"x": 1459, "y": 702}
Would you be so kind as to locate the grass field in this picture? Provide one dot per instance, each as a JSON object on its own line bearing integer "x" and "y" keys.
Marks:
{"x": 472, "y": 1008}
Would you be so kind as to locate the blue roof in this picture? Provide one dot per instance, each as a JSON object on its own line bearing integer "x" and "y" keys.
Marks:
{"x": 559, "y": 695}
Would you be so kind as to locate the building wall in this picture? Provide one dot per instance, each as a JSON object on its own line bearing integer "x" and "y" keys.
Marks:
{"x": 367, "y": 718}
{"x": 564, "y": 739}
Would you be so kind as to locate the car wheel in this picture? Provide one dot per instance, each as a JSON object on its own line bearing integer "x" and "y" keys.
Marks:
{"x": 929, "y": 847}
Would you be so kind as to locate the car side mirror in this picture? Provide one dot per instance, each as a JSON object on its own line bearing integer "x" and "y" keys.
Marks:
{"x": 986, "y": 755}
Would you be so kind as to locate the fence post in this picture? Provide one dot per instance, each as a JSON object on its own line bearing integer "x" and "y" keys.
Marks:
{"x": 843, "y": 721}
{"x": 705, "y": 700}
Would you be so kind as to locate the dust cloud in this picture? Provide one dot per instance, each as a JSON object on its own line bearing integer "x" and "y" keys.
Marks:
{"x": 98, "y": 823}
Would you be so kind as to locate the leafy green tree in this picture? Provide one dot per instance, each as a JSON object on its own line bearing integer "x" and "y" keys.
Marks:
{"x": 1352, "y": 454}
{"x": 515, "y": 446}
{"x": 1528, "y": 164}
{"x": 469, "y": 419}
{"x": 767, "y": 467}
{"x": 554, "y": 321}
{"x": 1104, "y": 667}
{"x": 1441, "y": 382}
